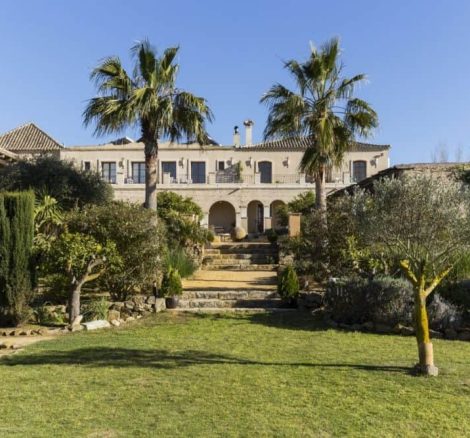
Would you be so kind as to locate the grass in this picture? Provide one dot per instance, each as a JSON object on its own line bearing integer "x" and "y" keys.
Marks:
{"x": 265, "y": 375}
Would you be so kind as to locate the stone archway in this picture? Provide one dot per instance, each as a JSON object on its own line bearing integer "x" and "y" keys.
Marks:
{"x": 255, "y": 215}
{"x": 222, "y": 217}
{"x": 275, "y": 219}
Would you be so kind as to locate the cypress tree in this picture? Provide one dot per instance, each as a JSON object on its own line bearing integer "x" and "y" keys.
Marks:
{"x": 16, "y": 243}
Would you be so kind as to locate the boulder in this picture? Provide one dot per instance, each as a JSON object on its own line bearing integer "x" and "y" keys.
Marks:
{"x": 113, "y": 315}
{"x": 129, "y": 304}
{"x": 115, "y": 322}
{"x": 95, "y": 325}
{"x": 160, "y": 305}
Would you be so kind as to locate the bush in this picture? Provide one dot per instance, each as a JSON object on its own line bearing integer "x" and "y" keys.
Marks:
{"x": 288, "y": 285}
{"x": 181, "y": 217}
{"x": 383, "y": 300}
{"x": 179, "y": 260}
{"x": 171, "y": 283}
{"x": 16, "y": 247}
{"x": 139, "y": 242}
{"x": 303, "y": 203}
{"x": 271, "y": 235}
{"x": 60, "y": 179}
{"x": 96, "y": 309}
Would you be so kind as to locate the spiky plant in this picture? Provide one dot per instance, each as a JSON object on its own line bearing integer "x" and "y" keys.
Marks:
{"x": 150, "y": 100}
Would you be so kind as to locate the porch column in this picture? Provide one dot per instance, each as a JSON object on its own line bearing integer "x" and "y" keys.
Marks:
{"x": 267, "y": 217}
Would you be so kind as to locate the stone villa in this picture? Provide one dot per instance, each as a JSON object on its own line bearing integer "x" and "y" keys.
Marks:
{"x": 240, "y": 184}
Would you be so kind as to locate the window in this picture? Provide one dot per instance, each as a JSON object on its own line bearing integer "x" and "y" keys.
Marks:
{"x": 108, "y": 172}
{"x": 198, "y": 172}
{"x": 265, "y": 170}
{"x": 138, "y": 172}
{"x": 220, "y": 165}
{"x": 359, "y": 170}
{"x": 86, "y": 166}
{"x": 169, "y": 167}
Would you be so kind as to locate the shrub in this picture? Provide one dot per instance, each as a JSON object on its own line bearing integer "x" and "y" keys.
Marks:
{"x": 271, "y": 235}
{"x": 60, "y": 179}
{"x": 179, "y": 260}
{"x": 288, "y": 284}
{"x": 181, "y": 217}
{"x": 303, "y": 203}
{"x": 45, "y": 316}
{"x": 96, "y": 309}
{"x": 16, "y": 245}
{"x": 139, "y": 242}
{"x": 171, "y": 283}
{"x": 383, "y": 300}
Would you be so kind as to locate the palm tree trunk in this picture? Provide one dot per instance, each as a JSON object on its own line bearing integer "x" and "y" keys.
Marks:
{"x": 320, "y": 191}
{"x": 151, "y": 158}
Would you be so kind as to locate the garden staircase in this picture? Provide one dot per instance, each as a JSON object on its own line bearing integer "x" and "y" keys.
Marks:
{"x": 234, "y": 276}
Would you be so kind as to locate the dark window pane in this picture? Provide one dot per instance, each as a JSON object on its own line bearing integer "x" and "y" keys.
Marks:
{"x": 138, "y": 172}
{"x": 221, "y": 165}
{"x": 265, "y": 170}
{"x": 108, "y": 172}
{"x": 198, "y": 172}
{"x": 359, "y": 170}
{"x": 169, "y": 167}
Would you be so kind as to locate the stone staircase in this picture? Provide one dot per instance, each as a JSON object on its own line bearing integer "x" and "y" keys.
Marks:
{"x": 235, "y": 276}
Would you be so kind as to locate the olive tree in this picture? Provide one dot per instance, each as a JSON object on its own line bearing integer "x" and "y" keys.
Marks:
{"x": 424, "y": 222}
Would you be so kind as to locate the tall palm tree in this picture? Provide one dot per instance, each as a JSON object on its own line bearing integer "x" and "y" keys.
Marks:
{"x": 323, "y": 109}
{"x": 150, "y": 100}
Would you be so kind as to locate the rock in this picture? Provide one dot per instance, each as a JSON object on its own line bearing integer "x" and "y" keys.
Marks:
{"x": 138, "y": 299}
{"x": 117, "y": 306}
{"x": 130, "y": 319}
{"x": 159, "y": 305}
{"x": 115, "y": 322}
{"x": 129, "y": 305}
{"x": 95, "y": 325}
{"x": 42, "y": 331}
{"x": 113, "y": 315}
{"x": 76, "y": 328}
{"x": 151, "y": 300}
{"x": 451, "y": 333}
{"x": 139, "y": 316}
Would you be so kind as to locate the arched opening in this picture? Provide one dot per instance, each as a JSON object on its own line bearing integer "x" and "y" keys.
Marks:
{"x": 255, "y": 213}
{"x": 359, "y": 170}
{"x": 266, "y": 172}
{"x": 222, "y": 217}
{"x": 275, "y": 218}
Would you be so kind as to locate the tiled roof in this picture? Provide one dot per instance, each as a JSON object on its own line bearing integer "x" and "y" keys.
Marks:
{"x": 301, "y": 143}
{"x": 28, "y": 138}
{"x": 7, "y": 155}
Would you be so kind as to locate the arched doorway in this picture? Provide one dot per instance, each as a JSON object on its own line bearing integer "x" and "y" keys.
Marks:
{"x": 266, "y": 172}
{"x": 222, "y": 217}
{"x": 255, "y": 214}
{"x": 275, "y": 219}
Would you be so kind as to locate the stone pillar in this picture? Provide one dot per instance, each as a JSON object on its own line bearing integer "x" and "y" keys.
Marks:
{"x": 243, "y": 218}
{"x": 238, "y": 219}
{"x": 294, "y": 224}
{"x": 257, "y": 178}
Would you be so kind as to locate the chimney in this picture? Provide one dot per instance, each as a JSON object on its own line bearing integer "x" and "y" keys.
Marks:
{"x": 248, "y": 132}
{"x": 236, "y": 137}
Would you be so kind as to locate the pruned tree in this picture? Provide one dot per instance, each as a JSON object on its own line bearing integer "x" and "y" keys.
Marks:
{"x": 424, "y": 222}
{"x": 81, "y": 259}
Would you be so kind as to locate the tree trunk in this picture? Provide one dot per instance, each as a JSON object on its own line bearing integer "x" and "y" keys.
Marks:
{"x": 425, "y": 349}
{"x": 74, "y": 301}
{"x": 151, "y": 157}
{"x": 320, "y": 192}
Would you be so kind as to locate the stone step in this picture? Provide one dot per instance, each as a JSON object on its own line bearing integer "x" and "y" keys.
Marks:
{"x": 241, "y": 303}
{"x": 224, "y": 279}
{"x": 240, "y": 267}
{"x": 239, "y": 256}
{"x": 235, "y": 261}
{"x": 231, "y": 310}
{"x": 229, "y": 294}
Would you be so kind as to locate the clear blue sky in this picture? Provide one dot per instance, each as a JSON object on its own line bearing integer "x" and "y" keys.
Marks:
{"x": 416, "y": 54}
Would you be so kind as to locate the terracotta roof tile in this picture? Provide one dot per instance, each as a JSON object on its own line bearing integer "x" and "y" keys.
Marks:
{"x": 301, "y": 143}
{"x": 28, "y": 138}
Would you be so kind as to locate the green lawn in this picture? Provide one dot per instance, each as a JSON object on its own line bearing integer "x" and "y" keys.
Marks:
{"x": 251, "y": 375}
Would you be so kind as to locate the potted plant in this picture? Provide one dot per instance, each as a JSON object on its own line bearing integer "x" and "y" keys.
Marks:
{"x": 171, "y": 288}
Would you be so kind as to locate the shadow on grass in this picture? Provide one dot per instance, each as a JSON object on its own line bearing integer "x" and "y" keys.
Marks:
{"x": 164, "y": 359}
